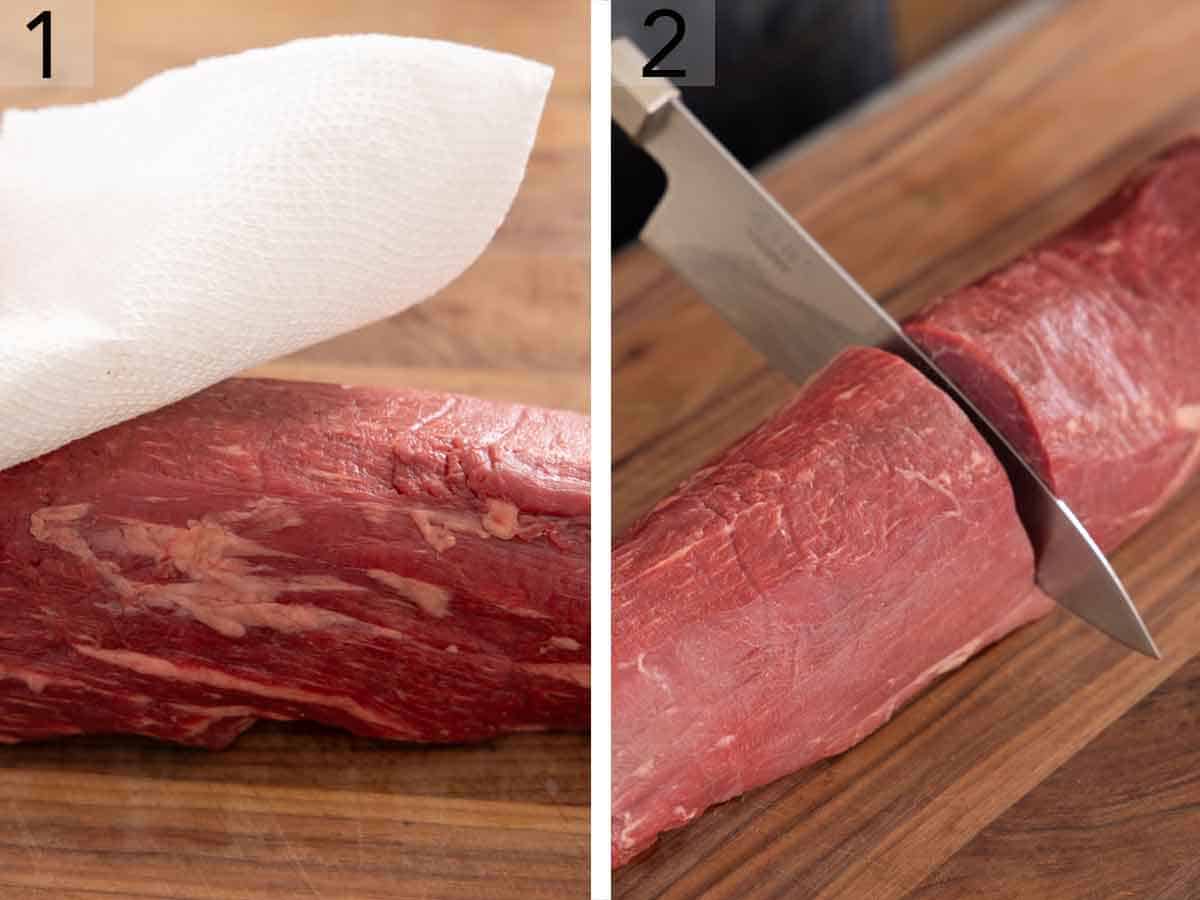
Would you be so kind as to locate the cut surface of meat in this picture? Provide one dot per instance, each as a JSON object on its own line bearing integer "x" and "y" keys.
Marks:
{"x": 1085, "y": 351}
{"x": 402, "y": 564}
{"x": 783, "y": 602}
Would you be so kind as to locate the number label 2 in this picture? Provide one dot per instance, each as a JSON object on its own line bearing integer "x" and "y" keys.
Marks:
{"x": 651, "y": 70}
{"x": 43, "y": 19}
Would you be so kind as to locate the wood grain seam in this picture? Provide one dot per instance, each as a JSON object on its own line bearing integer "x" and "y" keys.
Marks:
{"x": 55, "y": 890}
{"x": 96, "y": 791}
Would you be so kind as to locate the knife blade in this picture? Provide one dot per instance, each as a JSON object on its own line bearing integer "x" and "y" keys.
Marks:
{"x": 750, "y": 260}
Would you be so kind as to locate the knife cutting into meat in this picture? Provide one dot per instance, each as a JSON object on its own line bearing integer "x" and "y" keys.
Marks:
{"x": 721, "y": 231}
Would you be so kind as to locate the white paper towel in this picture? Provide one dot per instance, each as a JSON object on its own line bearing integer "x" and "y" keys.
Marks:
{"x": 220, "y": 215}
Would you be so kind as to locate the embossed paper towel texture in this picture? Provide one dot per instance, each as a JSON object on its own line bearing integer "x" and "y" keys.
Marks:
{"x": 220, "y": 215}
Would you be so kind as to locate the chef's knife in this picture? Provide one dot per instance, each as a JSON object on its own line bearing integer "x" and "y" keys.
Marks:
{"x": 762, "y": 272}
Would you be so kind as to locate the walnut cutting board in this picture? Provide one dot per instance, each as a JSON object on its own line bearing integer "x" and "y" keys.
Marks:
{"x": 1055, "y": 765}
{"x": 297, "y": 811}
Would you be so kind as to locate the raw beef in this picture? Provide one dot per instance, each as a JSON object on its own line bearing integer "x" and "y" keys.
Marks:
{"x": 1083, "y": 350}
{"x": 401, "y": 564}
{"x": 1086, "y": 350}
{"x": 789, "y": 597}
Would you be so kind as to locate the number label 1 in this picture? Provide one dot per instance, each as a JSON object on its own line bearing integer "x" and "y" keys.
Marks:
{"x": 43, "y": 19}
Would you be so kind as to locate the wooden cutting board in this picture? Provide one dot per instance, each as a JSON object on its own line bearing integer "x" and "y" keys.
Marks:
{"x": 1055, "y": 765}
{"x": 296, "y": 811}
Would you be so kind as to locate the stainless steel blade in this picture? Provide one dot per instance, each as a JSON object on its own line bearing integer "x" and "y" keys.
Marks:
{"x": 750, "y": 260}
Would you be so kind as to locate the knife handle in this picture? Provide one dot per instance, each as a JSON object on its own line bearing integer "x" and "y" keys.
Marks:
{"x": 636, "y": 99}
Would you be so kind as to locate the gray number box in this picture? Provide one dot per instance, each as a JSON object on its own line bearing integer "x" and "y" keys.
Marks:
{"x": 676, "y": 35}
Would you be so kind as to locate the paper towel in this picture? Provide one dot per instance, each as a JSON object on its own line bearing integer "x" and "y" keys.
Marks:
{"x": 220, "y": 215}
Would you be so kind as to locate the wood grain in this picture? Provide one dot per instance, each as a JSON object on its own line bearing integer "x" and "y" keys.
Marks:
{"x": 536, "y": 768}
{"x": 221, "y": 841}
{"x": 298, "y": 811}
{"x": 1129, "y": 797}
{"x": 925, "y": 26}
{"x": 955, "y": 171}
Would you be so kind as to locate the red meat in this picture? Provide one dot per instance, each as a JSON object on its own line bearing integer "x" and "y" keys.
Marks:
{"x": 1085, "y": 351}
{"x": 788, "y": 598}
{"x": 401, "y": 564}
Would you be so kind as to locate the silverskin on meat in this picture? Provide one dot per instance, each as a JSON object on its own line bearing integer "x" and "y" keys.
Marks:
{"x": 401, "y": 564}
